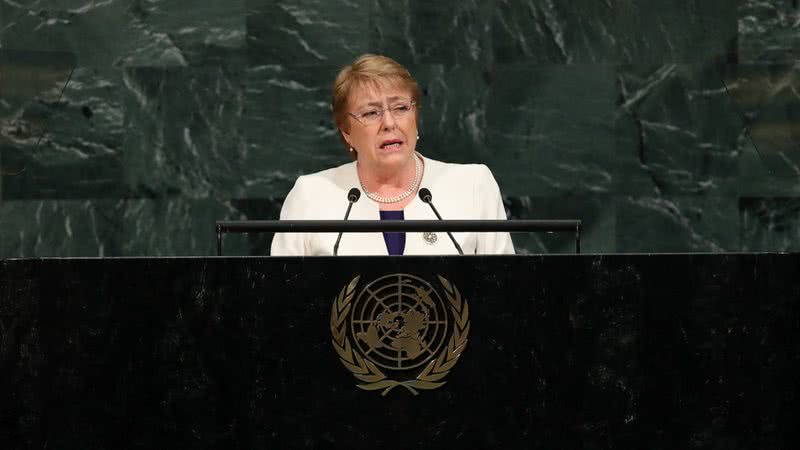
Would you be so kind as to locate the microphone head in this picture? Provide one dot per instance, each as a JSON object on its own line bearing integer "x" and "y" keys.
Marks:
{"x": 353, "y": 195}
{"x": 425, "y": 195}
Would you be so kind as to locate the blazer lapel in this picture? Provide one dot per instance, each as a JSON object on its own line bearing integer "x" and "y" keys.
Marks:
{"x": 363, "y": 209}
{"x": 417, "y": 243}
{"x": 366, "y": 209}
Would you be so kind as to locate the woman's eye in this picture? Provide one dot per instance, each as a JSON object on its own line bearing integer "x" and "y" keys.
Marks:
{"x": 370, "y": 114}
{"x": 401, "y": 108}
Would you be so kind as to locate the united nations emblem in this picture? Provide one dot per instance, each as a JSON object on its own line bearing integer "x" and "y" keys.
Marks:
{"x": 398, "y": 326}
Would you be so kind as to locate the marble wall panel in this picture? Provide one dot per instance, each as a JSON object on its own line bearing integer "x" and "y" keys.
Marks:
{"x": 182, "y": 132}
{"x": 166, "y": 227}
{"x": 420, "y": 32}
{"x": 288, "y": 126}
{"x": 769, "y": 31}
{"x": 615, "y": 31}
{"x": 498, "y": 31}
{"x": 682, "y": 127}
{"x": 68, "y": 142}
{"x": 770, "y": 224}
{"x": 132, "y": 227}
{"x": 39, "y": 228}
{"x": 663, "y": 125}
{"x": 127, "y": 32}
{"x": 757, "y": 175}
{"x": 666, "y": 224}
{"x": 767, "y": 96}
{"x": 26, "y": 76}
{"x": 307, "y": 32}
{"x": 548, "y": 130}
{"x": 598, "y": 216}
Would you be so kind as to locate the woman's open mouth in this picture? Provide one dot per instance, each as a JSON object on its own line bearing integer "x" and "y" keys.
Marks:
{"x": 391, "y": 144}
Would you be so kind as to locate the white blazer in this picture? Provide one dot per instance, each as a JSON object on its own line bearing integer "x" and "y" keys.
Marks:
{"x": 460, "y": 191}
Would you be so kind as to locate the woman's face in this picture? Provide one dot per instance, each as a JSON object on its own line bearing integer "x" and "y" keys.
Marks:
{"x": 386, "y": 144}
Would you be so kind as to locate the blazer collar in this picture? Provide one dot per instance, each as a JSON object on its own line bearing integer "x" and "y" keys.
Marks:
{"x": 367, "y": 209}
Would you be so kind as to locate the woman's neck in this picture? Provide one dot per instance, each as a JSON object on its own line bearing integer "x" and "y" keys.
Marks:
{"x": 387, "y": 183}
{"x": 392, "y": 184}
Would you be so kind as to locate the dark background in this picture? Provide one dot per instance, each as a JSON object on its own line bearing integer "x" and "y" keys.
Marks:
{"x": 632, "y": 115}
{"x": 590, "y": 352}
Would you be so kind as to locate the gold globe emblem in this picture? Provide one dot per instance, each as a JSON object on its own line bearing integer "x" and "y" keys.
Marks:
{"x": 399, "y": 324}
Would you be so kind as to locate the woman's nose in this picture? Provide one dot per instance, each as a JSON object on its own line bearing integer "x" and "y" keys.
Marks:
{"x": 388, "y": 119}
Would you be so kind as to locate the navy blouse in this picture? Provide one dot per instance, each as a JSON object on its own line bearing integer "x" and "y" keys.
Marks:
{"x": 395, "y": 242}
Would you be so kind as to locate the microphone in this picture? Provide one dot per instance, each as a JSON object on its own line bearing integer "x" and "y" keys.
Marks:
{"x": 352, "y": 196}
{"x": 426, "y": 196}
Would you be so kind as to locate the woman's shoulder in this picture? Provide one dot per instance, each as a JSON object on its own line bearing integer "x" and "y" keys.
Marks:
{"x": 442, "y": 169}
{"x": 314, "y": 193}
{"x": 328, "y": 179}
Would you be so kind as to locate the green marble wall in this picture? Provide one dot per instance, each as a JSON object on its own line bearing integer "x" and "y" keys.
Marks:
{"x": 128, "y": 126}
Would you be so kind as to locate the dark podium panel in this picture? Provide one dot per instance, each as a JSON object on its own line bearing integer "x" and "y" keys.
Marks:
{"x": 579, "y": 352}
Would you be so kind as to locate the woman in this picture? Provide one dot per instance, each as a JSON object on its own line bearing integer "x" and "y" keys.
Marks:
{"x": 375, "y": 107}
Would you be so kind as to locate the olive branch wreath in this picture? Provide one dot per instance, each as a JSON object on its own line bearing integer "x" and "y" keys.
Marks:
{"x": 366, "y": 371}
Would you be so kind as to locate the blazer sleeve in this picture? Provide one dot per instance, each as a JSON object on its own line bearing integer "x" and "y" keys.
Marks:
{"x": 295, "y": 207}
{"x": 489, "y": 204}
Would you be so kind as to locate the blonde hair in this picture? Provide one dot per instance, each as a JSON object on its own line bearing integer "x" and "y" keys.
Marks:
{"x": 368, "y": 69}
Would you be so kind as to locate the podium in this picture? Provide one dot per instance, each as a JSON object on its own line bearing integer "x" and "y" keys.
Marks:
{"x": 566, "y": 351}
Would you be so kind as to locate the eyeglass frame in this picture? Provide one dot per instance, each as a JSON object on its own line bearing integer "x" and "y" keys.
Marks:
{"x": 412, "y": 105}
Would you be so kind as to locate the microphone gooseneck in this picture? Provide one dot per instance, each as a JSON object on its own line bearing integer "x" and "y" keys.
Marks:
{"x": 426, "y": 196}
{"x": 352, "y": 196}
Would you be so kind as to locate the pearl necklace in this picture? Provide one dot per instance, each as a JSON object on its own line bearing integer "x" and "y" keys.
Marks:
{"x": 404, "y": 195}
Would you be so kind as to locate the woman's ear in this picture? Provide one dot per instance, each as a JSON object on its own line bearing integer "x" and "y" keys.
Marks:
{"x": 346, "y": 137}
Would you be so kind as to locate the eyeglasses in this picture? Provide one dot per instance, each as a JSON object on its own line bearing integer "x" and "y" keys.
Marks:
{"x": 372, "y": 116}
